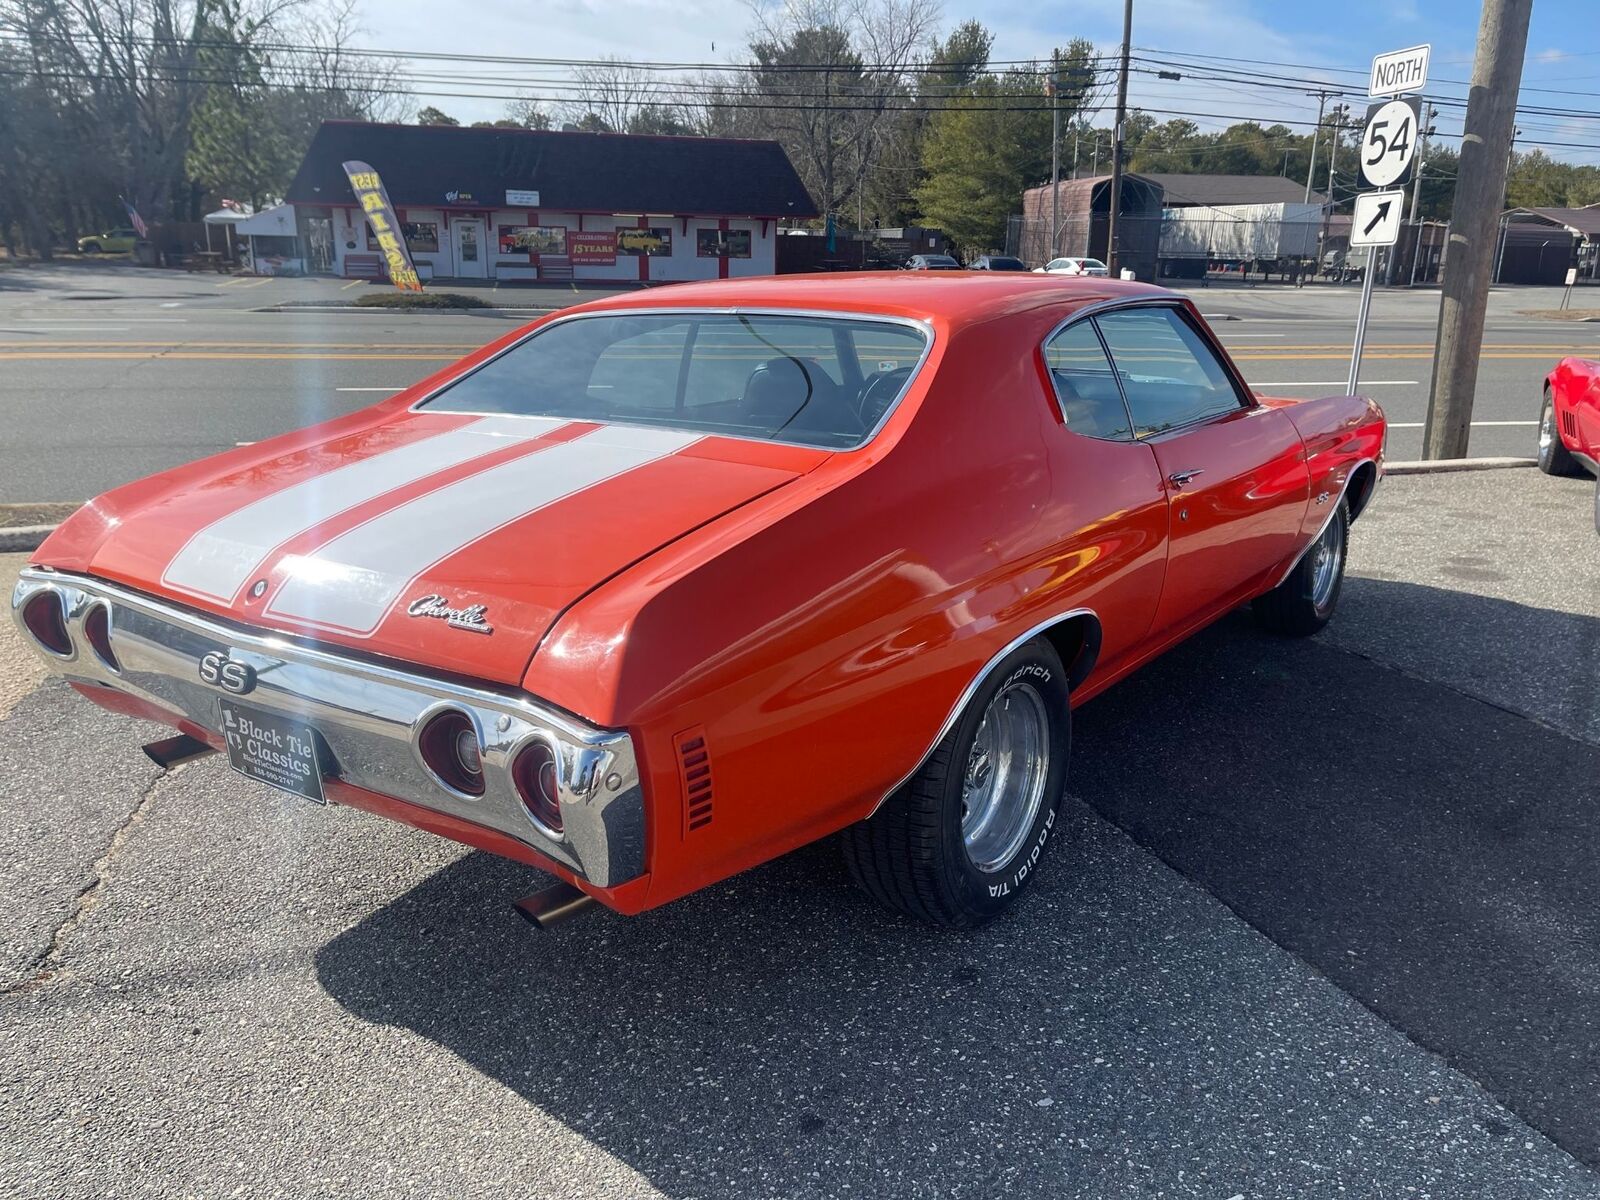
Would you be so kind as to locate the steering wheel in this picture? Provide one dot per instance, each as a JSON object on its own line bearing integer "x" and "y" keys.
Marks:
{"x": 879, "y": 393}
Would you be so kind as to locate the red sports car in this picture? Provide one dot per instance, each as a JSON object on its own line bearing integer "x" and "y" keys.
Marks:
{"x": 661, "y": 587}
{"x": 1569, "y": 423}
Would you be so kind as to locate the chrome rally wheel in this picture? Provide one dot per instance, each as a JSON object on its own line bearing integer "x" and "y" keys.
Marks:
{"x": 1005, "y": 776}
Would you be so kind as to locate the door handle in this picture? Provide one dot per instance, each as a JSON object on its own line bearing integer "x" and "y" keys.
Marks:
{"x": 1179, "y": 478}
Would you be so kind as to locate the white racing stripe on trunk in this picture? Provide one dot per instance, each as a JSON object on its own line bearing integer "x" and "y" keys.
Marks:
{"x": 354, "y": 580}
{"x": 222, "y": 557}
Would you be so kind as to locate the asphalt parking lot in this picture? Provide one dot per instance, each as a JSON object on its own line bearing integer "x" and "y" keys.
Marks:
{"x": 1325, "y": 926}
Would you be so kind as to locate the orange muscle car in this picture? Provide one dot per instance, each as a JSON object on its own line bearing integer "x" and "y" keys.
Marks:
{"x": 663, "y": 586}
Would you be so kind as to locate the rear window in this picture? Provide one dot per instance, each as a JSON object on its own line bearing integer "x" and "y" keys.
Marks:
{"x": 812, "y": 381}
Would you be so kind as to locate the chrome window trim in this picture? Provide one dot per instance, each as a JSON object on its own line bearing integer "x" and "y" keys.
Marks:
{"x": 968, "y": 692}
{"x": 921, "y": 325}
{"x": 368, "y": 714}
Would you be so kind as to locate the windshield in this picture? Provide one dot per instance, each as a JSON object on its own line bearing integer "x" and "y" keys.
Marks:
{"x": 813, "y": 381}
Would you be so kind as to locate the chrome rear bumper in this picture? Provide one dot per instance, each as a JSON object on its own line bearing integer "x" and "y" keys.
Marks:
{"x": 368, "y": 716}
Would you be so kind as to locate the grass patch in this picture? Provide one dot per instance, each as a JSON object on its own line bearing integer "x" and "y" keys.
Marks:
{"x": 13, "y": 516}
{"x": 419, "y": 300}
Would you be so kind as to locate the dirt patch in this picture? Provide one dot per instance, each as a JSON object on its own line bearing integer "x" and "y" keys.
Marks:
{"x": 15, "y": 515}
{"x": 1562, "y": 314}
{"x": 21, "y": 670}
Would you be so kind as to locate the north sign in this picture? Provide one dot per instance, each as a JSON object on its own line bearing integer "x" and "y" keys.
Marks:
{"x": 1399, "y": 71}
{"x": 1389, "y": 142}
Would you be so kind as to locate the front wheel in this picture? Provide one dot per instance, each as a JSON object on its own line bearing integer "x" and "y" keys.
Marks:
{"x": 1304, "y": 602}
{"x": 1554, "y": 457}
{"x": 956, "y": 845}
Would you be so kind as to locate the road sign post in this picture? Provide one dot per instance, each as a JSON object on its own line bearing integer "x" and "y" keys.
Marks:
{"x": 1387, "y": 154}
{"x": 1374, "y": 222}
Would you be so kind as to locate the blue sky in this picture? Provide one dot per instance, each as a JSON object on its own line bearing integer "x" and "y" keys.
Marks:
{"x": 1563, "y": 46}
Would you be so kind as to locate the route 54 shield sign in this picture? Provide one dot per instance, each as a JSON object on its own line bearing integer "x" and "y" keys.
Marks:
{"x": 1389, "y": 142}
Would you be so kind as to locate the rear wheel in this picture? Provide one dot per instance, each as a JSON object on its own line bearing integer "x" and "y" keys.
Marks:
{"x": 1304, "y": 602}
{"x": 1554, "y": 458}
{"x": 957, "y": 844}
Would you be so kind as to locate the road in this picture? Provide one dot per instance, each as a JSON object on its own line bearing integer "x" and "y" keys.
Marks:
{"x": 108, "y": 374}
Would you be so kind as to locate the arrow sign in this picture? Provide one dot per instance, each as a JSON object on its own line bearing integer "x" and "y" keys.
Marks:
{"x": 1376, "y": 219}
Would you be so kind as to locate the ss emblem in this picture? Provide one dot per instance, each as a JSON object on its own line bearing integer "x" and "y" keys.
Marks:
{"x": 236, "y": 677}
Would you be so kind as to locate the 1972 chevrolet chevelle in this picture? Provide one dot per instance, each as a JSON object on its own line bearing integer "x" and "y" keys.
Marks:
{"x": 663, "y": 586}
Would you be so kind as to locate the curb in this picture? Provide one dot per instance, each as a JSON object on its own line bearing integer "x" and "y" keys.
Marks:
{"x": 1440, "y": 466}
{"x": 23, "y": 537}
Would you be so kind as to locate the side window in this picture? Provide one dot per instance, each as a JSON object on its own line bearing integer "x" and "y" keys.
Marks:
{"x": 1169, "y": 375}
{"x": 1091, "y": 401}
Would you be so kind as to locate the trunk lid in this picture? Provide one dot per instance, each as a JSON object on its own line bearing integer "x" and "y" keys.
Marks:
{"x": 448, "y": 541}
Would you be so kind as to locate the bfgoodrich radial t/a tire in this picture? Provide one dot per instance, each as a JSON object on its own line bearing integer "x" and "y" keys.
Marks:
{"x": 1304, "y": 602}
{"x": 957, "y": 844}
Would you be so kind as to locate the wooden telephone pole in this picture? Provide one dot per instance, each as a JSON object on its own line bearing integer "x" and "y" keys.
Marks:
{"x": 1480, "y": 192}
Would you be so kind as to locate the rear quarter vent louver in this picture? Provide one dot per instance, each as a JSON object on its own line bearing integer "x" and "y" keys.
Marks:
{"x": 694, "y": 769}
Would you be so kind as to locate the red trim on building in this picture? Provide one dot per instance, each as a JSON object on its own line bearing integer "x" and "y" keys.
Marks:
{"x": 644, "y": 259}
{"x": 722, "y": 259}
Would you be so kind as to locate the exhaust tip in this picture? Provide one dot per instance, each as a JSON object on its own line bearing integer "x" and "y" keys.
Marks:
{"x": 553, "y": 905}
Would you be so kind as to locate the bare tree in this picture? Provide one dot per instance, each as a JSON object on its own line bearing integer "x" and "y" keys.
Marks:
{"x": 617, "y": 97}
{"x": 830, "y": 78}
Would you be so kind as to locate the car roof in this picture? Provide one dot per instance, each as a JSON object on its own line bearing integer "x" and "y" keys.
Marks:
{"x": 953, "y": 296}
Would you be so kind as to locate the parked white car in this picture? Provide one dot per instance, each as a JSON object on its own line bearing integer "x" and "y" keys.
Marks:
{"x": 1073, "y": 266}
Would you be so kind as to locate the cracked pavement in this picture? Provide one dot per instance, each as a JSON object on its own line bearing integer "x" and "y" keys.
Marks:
{"x": 1333, "y": 935}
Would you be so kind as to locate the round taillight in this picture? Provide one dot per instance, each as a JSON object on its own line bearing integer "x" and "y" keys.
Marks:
{"x": 97, "y": 628}
{"x": 449, "y": 748}
{"x": 46, "y": 619}
{"x": 536, "y": 778}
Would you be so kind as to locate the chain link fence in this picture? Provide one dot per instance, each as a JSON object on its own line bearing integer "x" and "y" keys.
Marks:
{"x": 1197, "y": 244}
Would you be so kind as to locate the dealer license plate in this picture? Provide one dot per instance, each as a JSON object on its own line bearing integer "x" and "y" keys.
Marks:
{"x": 272, "y": 750}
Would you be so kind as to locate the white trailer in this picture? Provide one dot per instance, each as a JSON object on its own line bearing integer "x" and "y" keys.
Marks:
{"x": 1262, "y": 233}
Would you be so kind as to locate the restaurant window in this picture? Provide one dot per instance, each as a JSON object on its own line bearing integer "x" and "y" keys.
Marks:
{"x": 421, "y": 236}
{"x": 722, "y": 243}
{"x": 645, "y": 243}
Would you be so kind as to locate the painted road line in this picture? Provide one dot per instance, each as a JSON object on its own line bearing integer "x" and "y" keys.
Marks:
{"x": 351, "y": 284}
{"x": 197, "y": 344}
{"x": 1339, "y": 383}
{"x": 1475, "y": 424}
{"x": 185, "y": 355}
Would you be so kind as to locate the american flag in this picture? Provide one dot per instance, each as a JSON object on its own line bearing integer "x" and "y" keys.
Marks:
{"x": 139, "y": 226}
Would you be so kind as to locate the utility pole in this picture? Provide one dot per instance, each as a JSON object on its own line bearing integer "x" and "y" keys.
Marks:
{"x": 1505, "y": 199}
{"x": 1055, "y": 154}
{"x": 1322, "y": 99}
{"x": 1113, "y": 250}
{"x": 1480, "y": 191}
{"x": 1333, "y": 159}
{"x": 1423, "y": 130}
